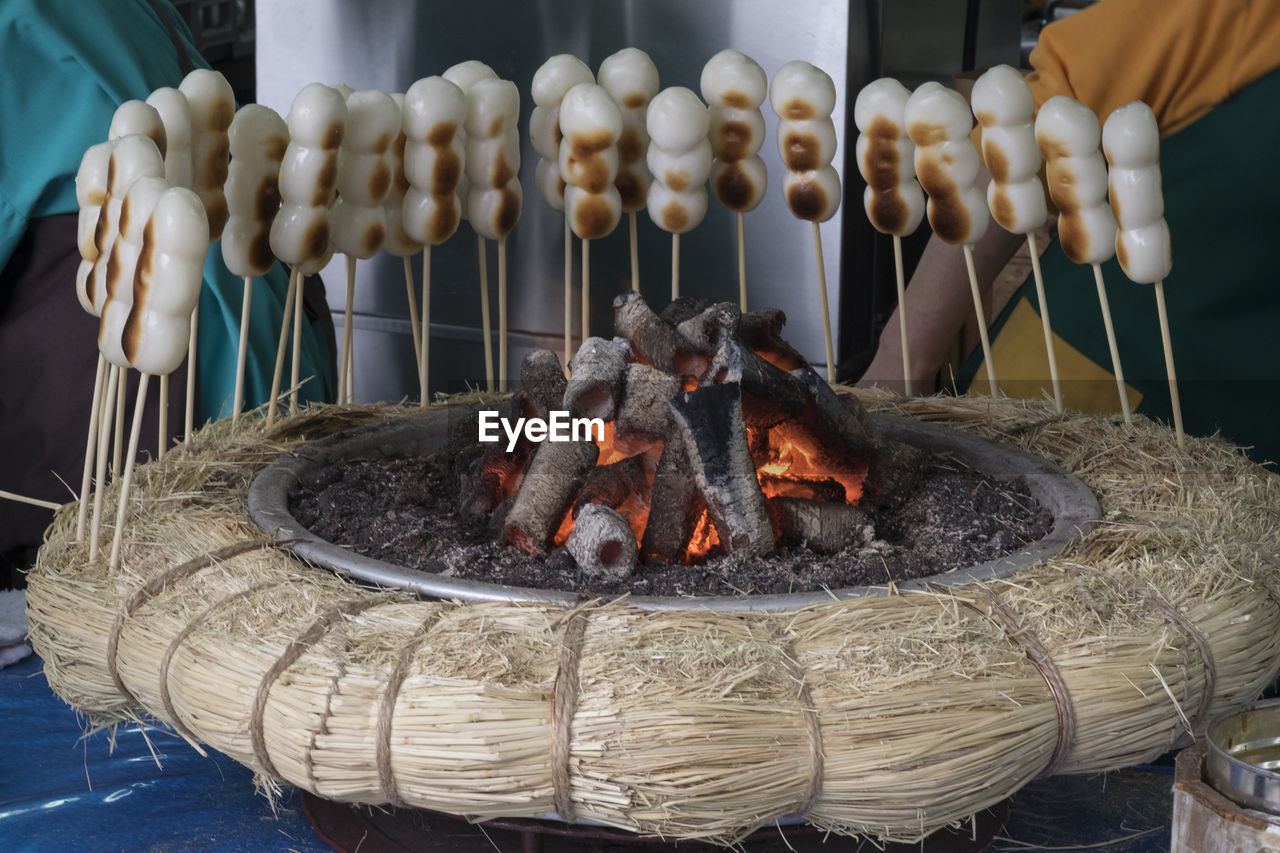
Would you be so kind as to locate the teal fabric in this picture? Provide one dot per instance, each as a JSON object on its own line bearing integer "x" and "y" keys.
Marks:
{"x": 67, "y": 65}
{"x": 1222, "y": 185}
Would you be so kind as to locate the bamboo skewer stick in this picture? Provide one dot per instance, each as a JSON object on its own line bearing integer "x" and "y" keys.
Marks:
{"x": 586, "y": 290}
{"x": 287, "y": 312}
{"x": 486, "y": 328}
{"x": 91, "y": 443}
{"x": 23, "y": 499}
{"x": 1044, "y": 320}
{"x": 822, "y": 294}
{"x": 675, "y": 266}
{"x": 1168, "y": 362}
{"x": 163, "y": 427}
{"x": 635, "y": 250}
{"x": 344, "y": 374}
{"x": 189, "y": 417}
{"x": 100, "y": 465}
{"x": 242, "y": 352}
{"x": 982, "y": 317}
{"x": 742, "y": 262}
{"x": 414, "y": 330}
{"x": 568, "y": 292}
{"x": 502, "y": 313}
{"x": 117, "y": 445}
{"x": 295, "y": 373}
{"x": 1111, "y": 344}
{"x": 424, "y": 345}
{"x": 902, "y": 314}
{"x": 134, "y": 434}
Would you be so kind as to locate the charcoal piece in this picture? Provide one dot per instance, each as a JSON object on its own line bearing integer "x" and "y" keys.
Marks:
{"x": 554, "y": 476}
{"x": 822, "y": 527}
{"x": 653, "y": 339}
{"x": 761, "y": 332}
{"x": 832, "y": 418}
{"x": 708, "y": 421}
{"x": 542, "y": 377}
{"x": 642, "y": 414}
{"x": 707, "y": 328}
{"x": 784, "y": 486}
{"x": 595, "y": 382}
{"x": 683, "y": 307}
{"x": 769, "y": 395}
{"x": 897, "y": 470}
{"x": 610, "y": 485}
{"x": 674, "y": 507}
{"x": 496, "y": 473}
{"x": 603, "y": 543}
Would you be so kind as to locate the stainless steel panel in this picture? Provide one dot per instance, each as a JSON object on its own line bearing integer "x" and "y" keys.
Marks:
{"x": 387, "y": 44}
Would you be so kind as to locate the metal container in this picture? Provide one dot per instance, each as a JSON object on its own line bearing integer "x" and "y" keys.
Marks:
{"x": 1244, "y": 756}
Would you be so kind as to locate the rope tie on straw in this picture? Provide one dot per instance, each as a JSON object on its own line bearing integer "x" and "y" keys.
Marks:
{"x": 157, "y": 585}
{"x": 1030, "y": 644}
{"x": 314, "y": 633}
{"x": 564, "y": 702}
{"x": 162, "y": 676}
{"x": 817, "y": 754}
{"x": 1175, "y": 616}
{"x": 387, "y": 707}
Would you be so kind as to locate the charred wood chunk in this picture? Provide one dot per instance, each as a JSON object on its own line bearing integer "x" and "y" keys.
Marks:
{"x": 595, "y": 384}
{"x": 769, "y": 395}
{"x": 683, "y": 307}
{"x": 831, "y": 418}
{"x": 821, "y": 527}
{"x": 496, "y": 474}
{"x": 555, "y": 475}
{"x": 761, "y": 332}
{"x": 786, "y": 486}
{"x": 610, "y": 485}
{"x": 653, "y": 339}
{"x": 542, "y": 377}
{"x": 709, "y": 423}
{"x": 897, "y": 470}
{"x": 674, "y": 507}
{"x": 603, "y": 543}
{"x": 707, "y": 328}
{"x": 643, "y": 414}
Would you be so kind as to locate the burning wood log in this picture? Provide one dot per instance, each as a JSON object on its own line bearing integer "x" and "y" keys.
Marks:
{"x": 610, "y": 485}
{"x": 643, "y": 414}
{"x": 708, "y": 421}
{"x": 707, "y": 328}
{"x": 819, "y": 526}
{"x": 674, "y": 506}
{"x": 761, "y": 332}
{"x": 830, "y": 419}
{"x": 682, "y": 308}
{"x": 770, "y": 395}
{"x": 603, "y": 543}
{"x": 785, "y": 486}
{"x": 595, "y": 385}
{"x": 496, "y": 474}
{"x": 555, "y": 474}
{"x": 653, "y": 339}
{"x": 542, "y": 377}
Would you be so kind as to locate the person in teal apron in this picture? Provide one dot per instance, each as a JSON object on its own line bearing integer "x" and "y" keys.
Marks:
{"x": 67, "y": 65}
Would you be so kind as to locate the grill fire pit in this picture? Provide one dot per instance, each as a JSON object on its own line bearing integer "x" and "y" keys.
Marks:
{"x": 1072, "y": 505}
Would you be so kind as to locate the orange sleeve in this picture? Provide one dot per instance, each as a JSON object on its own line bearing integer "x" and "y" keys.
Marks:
{"x": 1182, "y": 57}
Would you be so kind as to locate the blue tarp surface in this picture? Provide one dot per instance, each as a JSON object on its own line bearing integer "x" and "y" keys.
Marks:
{"x": 60, "y": 791}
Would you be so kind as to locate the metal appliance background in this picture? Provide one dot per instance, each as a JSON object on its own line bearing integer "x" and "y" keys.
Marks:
{"x": 388, "y": 44}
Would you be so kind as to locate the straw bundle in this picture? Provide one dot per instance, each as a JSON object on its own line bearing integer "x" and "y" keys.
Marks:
{"x": 886, "y": 716}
